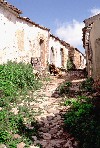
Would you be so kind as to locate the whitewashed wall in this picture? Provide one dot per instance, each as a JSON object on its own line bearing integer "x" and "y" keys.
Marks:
{"x": 19, "y": 40}
{"x": 56, "y": 44}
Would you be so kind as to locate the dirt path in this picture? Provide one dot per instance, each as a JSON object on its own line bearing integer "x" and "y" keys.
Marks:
{"x": 50, "y": 117}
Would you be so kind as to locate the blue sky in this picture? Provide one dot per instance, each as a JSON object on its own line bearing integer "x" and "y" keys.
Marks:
{"x": 63, "y": 17}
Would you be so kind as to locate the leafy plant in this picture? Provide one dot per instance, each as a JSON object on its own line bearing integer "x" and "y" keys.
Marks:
{"x": 15, "y": 76}
{"x": 82, "y": 122}
{"x": 87, "y": 85}
{"x": 65, "y": 87}
{"x": 70, "y": 64}
{"x": 16, "y": 79}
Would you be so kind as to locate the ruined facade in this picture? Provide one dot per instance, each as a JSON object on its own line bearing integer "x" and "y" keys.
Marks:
{"x": 77, "y": 57}
{"x": 91, "y": 43}
{"x": 58, "y": 51}
{"x": 22, "y": 40}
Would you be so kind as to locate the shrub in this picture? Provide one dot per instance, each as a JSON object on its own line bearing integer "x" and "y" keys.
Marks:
{"x": 87, "y": 85}
{"x": 15, "y": 76}
{"x": 15, "y": 80}
{"x": 65, "y": 87}
{"x": 70, "y": 64}
{"x": 82, "y": 122}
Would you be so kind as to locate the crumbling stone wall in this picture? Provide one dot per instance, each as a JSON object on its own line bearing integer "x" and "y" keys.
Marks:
{"x": 91, "y": 43}
{"x": 77, "y": 57}
{"x": 95, "y": 46}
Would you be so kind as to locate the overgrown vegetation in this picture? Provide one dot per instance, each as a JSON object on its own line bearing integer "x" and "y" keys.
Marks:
{"x": 87, "y": 85}
{"x": 70, "y": 64}
{"x": 83, "y": 121}
{"x": 15, "y": 81}
{"x": 64, "y": 88}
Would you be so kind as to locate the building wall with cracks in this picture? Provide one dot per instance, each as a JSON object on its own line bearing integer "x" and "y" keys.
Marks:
{"x": 58, "y": 52}
{"x": 91, "y": 43}
{"x": 22, "y": 40}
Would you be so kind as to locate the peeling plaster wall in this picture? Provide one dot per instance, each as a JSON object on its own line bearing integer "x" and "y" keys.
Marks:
{"x": 57, "y": 46}
{"x": 20, "y": 40}
{"x": 95, "y": 44}
{"x": 8, "y": 44}
{"x": 32, "y": 37}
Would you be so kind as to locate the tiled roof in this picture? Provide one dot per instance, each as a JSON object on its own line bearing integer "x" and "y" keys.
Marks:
{"x": 30, "y": 21}
{"x": 66, "y": 44}
{"x": 5, "y": 3}
{"x": 61, "y": 41}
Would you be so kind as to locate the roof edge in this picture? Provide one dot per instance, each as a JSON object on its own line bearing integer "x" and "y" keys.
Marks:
{"x": 5, "y": 3}
{"x": 79, "y": 51}
{"x": 30, "y": 21}
{"x": 91, "y": 17}
{"x": 61, "y": 41}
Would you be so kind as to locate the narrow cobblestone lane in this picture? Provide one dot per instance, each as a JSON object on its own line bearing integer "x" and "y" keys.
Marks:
{"x": 50, "y": 120}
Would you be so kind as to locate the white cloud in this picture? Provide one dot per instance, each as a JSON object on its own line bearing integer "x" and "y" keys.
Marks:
{"x": 95, "y": 11}
{"x": 70, "y": 32}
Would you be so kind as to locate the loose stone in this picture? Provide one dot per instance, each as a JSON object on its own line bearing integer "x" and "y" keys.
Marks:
{"x": 46, "y": 136}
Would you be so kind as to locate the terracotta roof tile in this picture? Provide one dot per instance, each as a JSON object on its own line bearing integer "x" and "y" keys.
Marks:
{"x": 30, "y": 21}
{"x": 5, "y": 3}
{"x": 61, "y": 41}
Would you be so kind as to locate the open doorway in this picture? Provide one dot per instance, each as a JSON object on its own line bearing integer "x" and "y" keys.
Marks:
{"x": 52, "y": 56}
{"x": 42, "y": 52}
{"x": 62, "y": 57}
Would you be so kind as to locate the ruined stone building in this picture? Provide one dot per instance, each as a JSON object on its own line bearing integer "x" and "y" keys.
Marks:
{"x": 91, "y": 43}
{"x": 77, "y": 57}
{"x": 22, "y": 40}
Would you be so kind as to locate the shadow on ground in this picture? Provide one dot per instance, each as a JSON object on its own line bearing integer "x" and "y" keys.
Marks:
{"x": 83, "y": 129}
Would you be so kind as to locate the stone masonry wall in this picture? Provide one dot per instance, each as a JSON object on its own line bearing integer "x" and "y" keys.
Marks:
{"x": 77, "y": 57}
{"x": 79, "y": 60}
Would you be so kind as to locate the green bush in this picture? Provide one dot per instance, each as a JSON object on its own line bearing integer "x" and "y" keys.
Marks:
{"x": 82, "y": 122}
{"x": 65, "y": 87}
{"x": 70, "y": 64}
{"x": 9, "y": 124}
{"x": 15, "y": 76}
{"x": 87, "y": 85}
{"x": 15, "y": 80}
